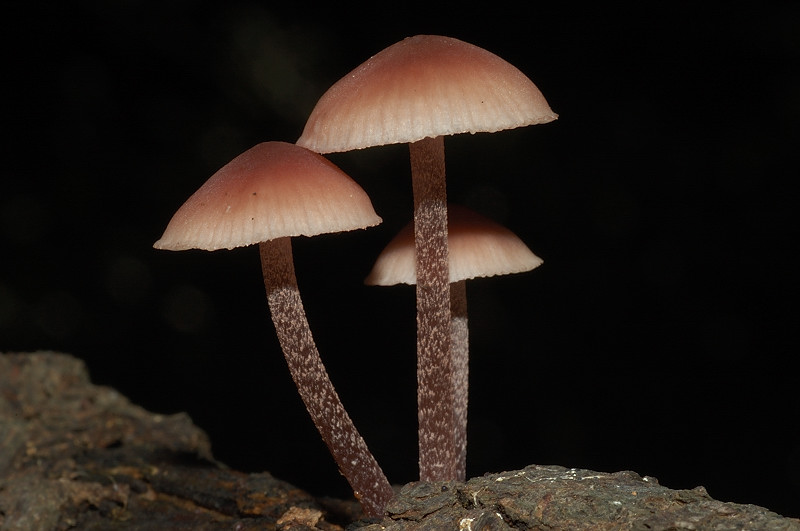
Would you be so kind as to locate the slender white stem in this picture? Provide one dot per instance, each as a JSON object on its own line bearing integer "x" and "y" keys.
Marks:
{"x": 437, "y": 448}
{"x": 348, "y": 448}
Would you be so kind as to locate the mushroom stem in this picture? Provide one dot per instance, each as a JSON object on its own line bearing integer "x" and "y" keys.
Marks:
{"x": 435, "y": 396}
{"x": 459, "y": 337}
{"x": 346, "y": 445}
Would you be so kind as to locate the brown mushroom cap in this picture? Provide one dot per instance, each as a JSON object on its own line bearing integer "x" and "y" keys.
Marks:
{"x": 423, "y": 86}
{"x": 272, "y": 190}
{"x": 478, "y": 247}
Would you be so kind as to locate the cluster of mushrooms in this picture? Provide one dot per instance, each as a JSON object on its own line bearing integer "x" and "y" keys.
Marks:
{"x": 415, "y": 91}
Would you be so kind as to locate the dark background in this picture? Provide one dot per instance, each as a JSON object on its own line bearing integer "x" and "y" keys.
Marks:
{"x": 660, "y": 335}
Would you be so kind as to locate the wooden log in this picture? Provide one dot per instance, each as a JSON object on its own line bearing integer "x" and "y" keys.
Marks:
{"x": 74, "y": 455}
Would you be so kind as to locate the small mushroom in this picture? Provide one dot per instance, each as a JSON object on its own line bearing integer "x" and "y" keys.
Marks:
{"x": 417, "y": 91}
{"x": 478, "y": 247}
{"x": 267, "y": 195}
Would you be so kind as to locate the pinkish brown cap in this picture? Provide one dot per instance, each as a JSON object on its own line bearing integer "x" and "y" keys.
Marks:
{"x": 478, "y": 247}
{"x": 423, "y": 86}
{"x": 272, "y": 190}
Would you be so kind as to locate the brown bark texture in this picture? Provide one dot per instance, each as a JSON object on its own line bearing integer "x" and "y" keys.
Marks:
{"x": 74, "y": 455}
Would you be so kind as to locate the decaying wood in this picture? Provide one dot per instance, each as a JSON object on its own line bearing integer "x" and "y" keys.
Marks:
{"x": 78, "y": 456}
{"x": 554, "y": 497}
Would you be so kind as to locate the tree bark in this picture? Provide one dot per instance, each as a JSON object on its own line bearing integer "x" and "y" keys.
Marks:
{"x": 78, "y": 456}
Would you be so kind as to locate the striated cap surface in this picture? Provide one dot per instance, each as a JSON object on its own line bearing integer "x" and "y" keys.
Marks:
{"x": 423, "y": 86}
{"x": 478, "y": 247}
{"x": 272, "y": 190}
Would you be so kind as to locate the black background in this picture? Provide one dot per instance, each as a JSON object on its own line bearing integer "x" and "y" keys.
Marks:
{"x": 660, "y": 335}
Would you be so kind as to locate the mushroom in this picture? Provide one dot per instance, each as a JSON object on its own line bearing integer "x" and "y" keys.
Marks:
{"x": 267, "y": 195}
{"x": 416, "y": 91}
{"x": 478, "y": 247}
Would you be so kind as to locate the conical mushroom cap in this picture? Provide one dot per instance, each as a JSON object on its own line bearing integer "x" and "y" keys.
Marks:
{"x": 272, "y": 190}
{"x": 478, "y": 247}
{"x": 423, "y": 86}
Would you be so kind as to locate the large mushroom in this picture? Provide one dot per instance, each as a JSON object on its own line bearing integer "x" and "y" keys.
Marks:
{"x": 416, "y": 91}
{"x": 267, "y": 195}
{"x": 478, "y": 247}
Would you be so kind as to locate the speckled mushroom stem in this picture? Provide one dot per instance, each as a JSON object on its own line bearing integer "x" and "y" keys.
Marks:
{"x": 346, "y": 445}
{"x": 435, "y": 398}
{"x": 459, "y": 345}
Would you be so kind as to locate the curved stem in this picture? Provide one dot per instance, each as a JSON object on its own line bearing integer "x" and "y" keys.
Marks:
{"x": 437, "y": 448}
{"x": 346, "y": 445}
{"x": 459, "y": 337}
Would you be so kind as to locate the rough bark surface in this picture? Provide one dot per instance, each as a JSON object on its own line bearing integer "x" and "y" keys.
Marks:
{"x": 78, "y": 456}
{"x": 554, "y": 497}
